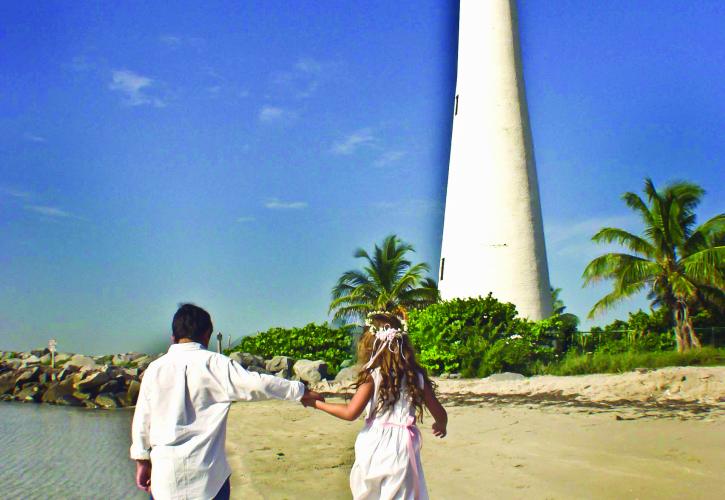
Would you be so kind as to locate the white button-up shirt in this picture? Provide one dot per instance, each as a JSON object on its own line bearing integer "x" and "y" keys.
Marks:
{"x": 181, "y": 417}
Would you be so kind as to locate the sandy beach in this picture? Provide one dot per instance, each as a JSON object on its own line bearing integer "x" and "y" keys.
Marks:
{"x": 507, "y": 444}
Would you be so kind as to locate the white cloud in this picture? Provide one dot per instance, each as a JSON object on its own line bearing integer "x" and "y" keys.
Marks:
{"x": 33, "y": 138}
{"x": 575, "y": 239}
{"x": 304, "y": 78}
{"x": 134, "y": 88}
{"x": 272, "y": 114}
{"x": 245, "y": 219}
{"x": 48, "y": 211}
{"x": 15, "y": 193}
{"x": 388, "y": 158}
{"x": 352, "y": 142}
{"x": 276, "y": 204}
{"x": 411, "y": 207}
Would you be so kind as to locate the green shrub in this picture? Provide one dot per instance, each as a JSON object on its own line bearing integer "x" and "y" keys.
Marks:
{"x": 481, "y": 336}
{"x": 312, "y": 341}
{"x": 606, "y": 362}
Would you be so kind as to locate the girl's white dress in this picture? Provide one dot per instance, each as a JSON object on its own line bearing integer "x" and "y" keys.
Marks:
{"x": 387, "y": 452}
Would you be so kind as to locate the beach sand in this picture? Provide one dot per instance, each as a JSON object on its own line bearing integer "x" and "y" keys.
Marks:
{"x": 500, "y": 448}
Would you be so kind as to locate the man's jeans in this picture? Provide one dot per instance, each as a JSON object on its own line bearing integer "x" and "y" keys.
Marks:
{"x": 223, "y": 492}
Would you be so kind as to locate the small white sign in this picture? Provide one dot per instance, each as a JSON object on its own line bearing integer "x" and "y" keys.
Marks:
{"x": 51, "y": 345}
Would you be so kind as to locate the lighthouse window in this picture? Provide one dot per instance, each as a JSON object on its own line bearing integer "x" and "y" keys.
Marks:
{"x": 443, "y": 265}
{"x": 456, "y": 110}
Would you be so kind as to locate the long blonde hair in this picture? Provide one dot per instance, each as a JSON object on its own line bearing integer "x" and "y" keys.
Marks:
{"x": 396, "y": 366}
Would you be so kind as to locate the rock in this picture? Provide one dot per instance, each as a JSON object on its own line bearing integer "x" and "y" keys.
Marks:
{"x": 123, "y": 359}
{"x": 62, "y": 357}
{"x": 14, "y": 363}
{"x": 31, "y": 360}
{"x": 247, "y": 360}
{"x": 457, "y": 375}
{"x": 29, "y": 375}
{"x": 91, "y": 381}
{"x": 80, "y": 361}
{"x": 39, "y": 352}
{"x": 347, "y": 363}
{"x": 67, "y": 400}
{"x": 132, "y": 392}
{"x": 348, "y": 375}
{"x": 504, "y": 377}
{"x": 642, "y": 370}
{"x": 67, "y": 372}
{"x": 56, "y": 391}
{"x": 106, "y": 400}
{"x": 82, "y": 396}
{"x": 89, "y": 404}
{"x": 130, "y": 372}
{"x": 111, "y": 386}
{"x": 280, "y": 364}
{"x": 310, "y": 371}
{"x": 45, "y": 359}
{"x": 258, "y": 369}
{"x": 7, "y": 382}
{"x": 29, "y": 393}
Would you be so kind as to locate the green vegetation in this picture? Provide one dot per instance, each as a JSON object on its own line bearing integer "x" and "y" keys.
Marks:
{"x": 605, "y": 362}
{"x": 681, "y": 266}
{"x": 312, "y": 341}
{"x": 389, "y": 281}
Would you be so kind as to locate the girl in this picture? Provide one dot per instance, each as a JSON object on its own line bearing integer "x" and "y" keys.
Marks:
{"x": 393, "y": 388}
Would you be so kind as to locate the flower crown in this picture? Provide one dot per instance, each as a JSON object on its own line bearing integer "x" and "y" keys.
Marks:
{"x": 373, "y": 329}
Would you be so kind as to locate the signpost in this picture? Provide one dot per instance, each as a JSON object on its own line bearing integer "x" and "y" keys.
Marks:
{"x": 51, "y": 347}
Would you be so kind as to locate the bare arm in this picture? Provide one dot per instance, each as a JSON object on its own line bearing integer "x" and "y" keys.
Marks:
{"x": 352, "y": 410}
{"x": 436, "y": 410}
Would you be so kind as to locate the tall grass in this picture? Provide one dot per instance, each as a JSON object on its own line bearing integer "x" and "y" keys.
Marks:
{"x": 601, "y": 362}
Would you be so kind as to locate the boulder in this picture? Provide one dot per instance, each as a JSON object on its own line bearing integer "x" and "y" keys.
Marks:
{"x": 258, "y": 369}
{"x": 504, "y": 377}
{"x": 126, "y": 358}
{"x": 348, "y": 375}
{"x": 82, "y": 396}
{"x": 111, "y": 386}
{"x": 7, "y": 382}
{"x": 106, "y": 400}
{"x": 80, "y": 361}
{"x": 142, "y": 362}
{"x": 62, "y": 357}
{"x": 67, "y": 372}
{"x": 39, "y": 352}
{"x": 67, "y": 400}
{"x": 280, "y": 365}
{"x": 347, "y": 363}
{"x": 310, "y": 371}
{"x": 248, "y": 360}
{"x": 28, "y": 375}
{"x": 57, "y": 390}
{"x": 31, "y": 360}
{"x": 91, "y": 381}
{"x": 14, "y": 363}
{"x": 89, "y": 404}
{"x": 132, "y": 392}
{"x": 45, "y": 359}
{"x": 29, "y": 393}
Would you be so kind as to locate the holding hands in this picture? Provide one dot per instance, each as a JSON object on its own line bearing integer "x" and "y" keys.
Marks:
{"x": 309, "y": 398}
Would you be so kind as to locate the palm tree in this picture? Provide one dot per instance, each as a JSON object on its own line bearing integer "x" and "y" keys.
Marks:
{"x": 680, "y": 265}
{"x": 387, "y": 282}
{"x": 557, "y": 304}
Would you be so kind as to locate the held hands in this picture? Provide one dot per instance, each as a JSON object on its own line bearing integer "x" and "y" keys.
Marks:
{"x": 143, "y": 475}
{"x": 439, "y": 430}
{"x": 309, "y": 398}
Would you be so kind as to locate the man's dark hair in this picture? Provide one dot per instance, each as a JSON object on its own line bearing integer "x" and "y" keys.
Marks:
{"x": 191, "y": 322}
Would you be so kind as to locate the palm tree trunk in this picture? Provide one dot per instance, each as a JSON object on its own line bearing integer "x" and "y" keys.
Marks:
{"x": 684, "y": 330}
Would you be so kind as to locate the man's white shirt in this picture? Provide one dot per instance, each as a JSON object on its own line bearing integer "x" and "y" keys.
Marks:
{"x": 181, "y": 415}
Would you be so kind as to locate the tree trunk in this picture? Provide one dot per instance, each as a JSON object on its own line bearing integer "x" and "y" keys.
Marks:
{"x": 684, "y": 331}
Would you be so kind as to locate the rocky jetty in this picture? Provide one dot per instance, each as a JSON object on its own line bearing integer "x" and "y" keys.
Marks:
{"x": 113, "y": 381}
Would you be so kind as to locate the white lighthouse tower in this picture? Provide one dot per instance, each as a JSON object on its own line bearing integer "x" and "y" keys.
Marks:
{"x": 493, "y": 238}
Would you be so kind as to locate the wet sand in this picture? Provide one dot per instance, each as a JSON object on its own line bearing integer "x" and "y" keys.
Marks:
{"x": 497, "y": 447}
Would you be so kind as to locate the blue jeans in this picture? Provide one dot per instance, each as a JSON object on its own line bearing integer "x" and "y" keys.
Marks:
{"x": 223, "y": 494}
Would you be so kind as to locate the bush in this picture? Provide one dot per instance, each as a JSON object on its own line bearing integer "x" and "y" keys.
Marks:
{"x": 642, "y": 332}
{"x": 605, "y": 362}
{"x": 312, "y": 341}
{"x": 481, "y": 336}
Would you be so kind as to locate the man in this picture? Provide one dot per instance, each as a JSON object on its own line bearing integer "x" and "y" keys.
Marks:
{"x": 179, "y": 425}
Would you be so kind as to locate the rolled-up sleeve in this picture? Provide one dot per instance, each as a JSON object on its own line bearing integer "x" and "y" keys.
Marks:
{"x": 244, "y": 385}
{"x": 140, "y": 444}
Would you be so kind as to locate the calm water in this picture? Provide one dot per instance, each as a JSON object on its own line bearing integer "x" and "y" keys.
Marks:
{"x": 60, "y": 452}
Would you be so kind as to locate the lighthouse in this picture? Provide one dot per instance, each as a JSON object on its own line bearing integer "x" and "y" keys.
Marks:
{"x": 493, "y": 237}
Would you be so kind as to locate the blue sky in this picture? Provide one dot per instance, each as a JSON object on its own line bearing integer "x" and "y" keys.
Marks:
{"x": 235, "y": 154}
